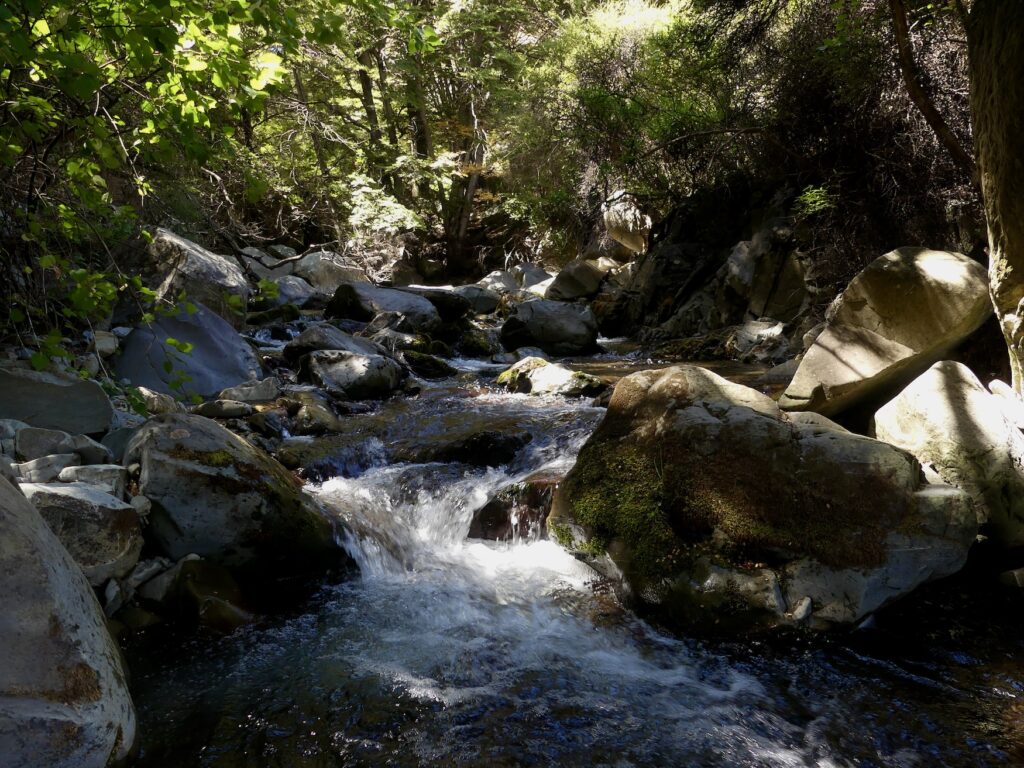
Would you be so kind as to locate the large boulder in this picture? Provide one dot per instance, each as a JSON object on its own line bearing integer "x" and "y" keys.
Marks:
{"x": 64, "y": 700}
{"x": 54, "y": 401}
{"x": 554, "y": 326}
{"x": 215, "y": 495}
{"x": 483, "y": 301}
{"x": 450, "y": 305}
{"x": 625, "y": 222}
{"x": 717, "y": 509}
{"x": 947, "y": 419}
{"x": 100, "y": 532}
{"x": 219, "y": 357}
{"x": 322, "y": 336}
{"x": 326, "y": 270}
{"x": 578, "y": 279}
{"x": 353, "y": 375}
{"x": 903, "y": 312}
{"x": 536, "y": 376}
{"x": 205, "y": 277}
{"x": 361, "y": 301}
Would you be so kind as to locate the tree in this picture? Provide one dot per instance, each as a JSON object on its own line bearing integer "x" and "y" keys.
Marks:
{"x": 996, "y": 42}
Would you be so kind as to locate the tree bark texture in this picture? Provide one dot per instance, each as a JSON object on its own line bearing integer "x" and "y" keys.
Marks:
{"x": 996, "y": 43}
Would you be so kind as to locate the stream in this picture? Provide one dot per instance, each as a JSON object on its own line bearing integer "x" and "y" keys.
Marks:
{"x": 446, "y": 650}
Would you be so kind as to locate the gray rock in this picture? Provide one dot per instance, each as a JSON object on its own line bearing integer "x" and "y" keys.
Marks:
{"x": 265, "y": 267}
{"x": 482, "y": 300}
{"x": 204, "y": 276}
{"x": 555, "y": 327}
{"x": 34, "y": 443}
{"x": 109, "y": 478}
{"x": 539, "y": 377}
{"x": 625, "y": 222}
{"x": 8, "y": 472}
{"x": 104, "y": 343}
{"x": 947, "y": 419}
{"x": 253, "y": 515}
{"x": 258, "y": 392}
{"x": 499, "y": 282}
{"x": 578, "y": 279}
{"x": 294, "y": 290}
{"x": 361, "y": 301}
{"x": 158, "y": 402}
{"x": 324, "y": 336}
{"x": 64, "y": 700}
{"x": 101, "y": 532}
{"x": 691, "y": 480}
{"x": 282, "y": 251}
{"x": 47, "y": 469}
{"x": 220, "y": 358}
{"x": 903, "y": 312}
{"x": 223, "y": 409}
{"x": 527, "y": 274}
{"x": 353, "y": 375}
{"x": 326, "y": 270}
{"x": 54, "y": 401}
{"x": 116, "y": 441}
{"x": 146, "y": 570}
{"x": 450, "y": 305}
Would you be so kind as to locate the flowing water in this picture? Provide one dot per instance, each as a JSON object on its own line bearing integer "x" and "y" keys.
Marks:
{"x": 452, "y": 651}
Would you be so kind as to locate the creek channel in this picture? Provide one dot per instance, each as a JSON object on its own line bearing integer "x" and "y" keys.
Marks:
{"x": 450, "y": 650}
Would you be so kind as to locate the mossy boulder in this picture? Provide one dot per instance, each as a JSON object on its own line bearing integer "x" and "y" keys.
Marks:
{"x": 716, "y": 509}
{"x": 218, "y": 496}
{"x": 537, "y": 376}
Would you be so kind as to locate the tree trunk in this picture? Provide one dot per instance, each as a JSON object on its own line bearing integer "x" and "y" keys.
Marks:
{"x": 996, "y": 43}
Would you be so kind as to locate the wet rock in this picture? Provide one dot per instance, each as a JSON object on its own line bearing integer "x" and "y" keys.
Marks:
{"x": 223, "y": 409}
{"x": 326, "y": 270}
{"x": 54, "y": 401}
{"x": 476, "y": 343}
{"x": 539, "y": 377}
{"x": 46, "y": 469}
{"x": 109, "y": 478}
{"x": 482, "y": 449}
{"x": 272, "y": 422}
{"x": 212, "y": 595}
{"x": 253, "y": 518}
{"x": 361, "y": 301}
{"x": 324, "y": 336}
{"x": 205, "y": 277}
{"x": 905, "y": 311}
{"x": 714, "y": 507}
{"x": 427, "y": 366}
{"x": 518, "y": 511}
{"x": 948, "y": 420}
{"x": 257, "y": 392}
{"x": 219, "y": 358}
{"x": 101, "y": 532}
{"x": 450, "y": 305}
{"x": 578, "y": 279}
{"x": 64, "y": 700}
{"x": 483, "y": 301}
{"x": 555, "y": 327}
{"x": 351, "y": 374}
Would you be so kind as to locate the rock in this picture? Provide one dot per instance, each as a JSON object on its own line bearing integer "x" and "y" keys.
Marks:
{"x": 541, "y": 289}
{"x": 352, "y": 374}
{"x": 101, "y": 532}
{"x": 158, "y": 402}
{"x": 527, "y": 274}
{"x": 257, "y": 392}
{"x": 8, "y": 472}
{"x": 253, "y": 518}
{"x": 293, "y": 290}
{"x": 947, "y": 419}
{"x": 450, "y": 305}
{"x": 326, "y": 270}
{"x": 555, "y": 327}
{"x": 64, "y": 700}
{"x": 579, "y": 279}
{"x": 223, "y": 409}
{"x": 625, "y": 222}
{"x": 212, "y": 594}
{"x": 361, "y": 301}
{"x": 1012, "y": 405}
{"x": 483, "y": 301}
{"x": 758, "y": 341}
{"x": 539, "y": 377}
{"x": 47, "y": 469}
{"x": 142, "y": 505}
{"x": 714, "y": 507}
{"x": 264, "y": 266}
{"x": 104, "y": 343}
{"x": 499, "y": 282}
{"x": 324, "y": 336}
{"x": 902, "y": 313}
{"x": 205, "y": 277}
{"x": 282, "y": 251}
{"x": 487, "y": 448}
{"x": 601, "y": 245}
{"x": 219, "y": 358}
{"x": 476, "y": 343}
{"x": 109, "y": 478}
{"x": 146, "y": 570}
{"x": 161, "y": 586}
{"x": 33, "y": 443}
{"x": 517, "y": 512}
{"x": 427, "y": 366}
{"x": 1014, "y": 578}
{"x": 54, "y": 401}
{"x": 116, "y": 441}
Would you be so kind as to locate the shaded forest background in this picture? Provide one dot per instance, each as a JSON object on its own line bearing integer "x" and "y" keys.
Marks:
{"x": 458, "y": 137}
